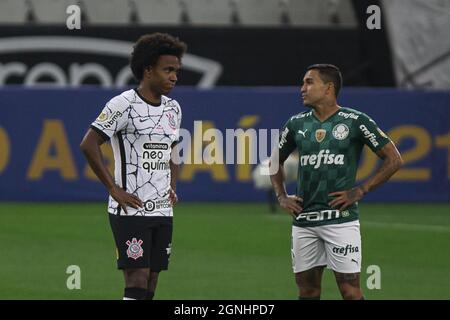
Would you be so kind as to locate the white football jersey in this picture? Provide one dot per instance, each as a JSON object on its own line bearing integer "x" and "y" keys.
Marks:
{"x": 141, "y": 136}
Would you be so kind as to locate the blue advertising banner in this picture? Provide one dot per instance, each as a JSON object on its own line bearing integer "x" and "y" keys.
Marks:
{"x": 41, "y": 129}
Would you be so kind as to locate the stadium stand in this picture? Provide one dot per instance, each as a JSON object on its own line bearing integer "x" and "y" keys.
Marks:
{"x": 244, "y": 13}
{"x": 13, "y": 11}
{"x": 260, "y": 12}
{"x": 210, "y": 12}
{"x": 162, "y": 12}
{"x": 115, "y": 12}
{"x": 50, "y": 11}
{"x": 321, "y": 13}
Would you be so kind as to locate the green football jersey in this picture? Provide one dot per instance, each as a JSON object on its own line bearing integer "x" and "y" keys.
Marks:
{"x": 329, "y": 153}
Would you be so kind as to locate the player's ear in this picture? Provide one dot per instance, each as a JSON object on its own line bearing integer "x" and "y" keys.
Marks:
{"x": 330, "y": 88}
{"x": 148, "y": 71}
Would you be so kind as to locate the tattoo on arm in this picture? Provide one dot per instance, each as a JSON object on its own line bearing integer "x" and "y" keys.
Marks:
{"x": 392, "y": 161}
{"x": 352, "y": 194}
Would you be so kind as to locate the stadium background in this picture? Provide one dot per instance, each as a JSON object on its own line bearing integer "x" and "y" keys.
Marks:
{"x": 242, "y": 71}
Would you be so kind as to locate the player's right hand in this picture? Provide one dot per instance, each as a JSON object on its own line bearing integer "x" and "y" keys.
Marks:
{"x": 291, "y": 204}
{"x": 125, "y": 199}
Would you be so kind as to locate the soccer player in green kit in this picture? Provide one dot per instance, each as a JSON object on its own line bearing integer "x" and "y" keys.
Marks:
{"x": 329, "y": 139}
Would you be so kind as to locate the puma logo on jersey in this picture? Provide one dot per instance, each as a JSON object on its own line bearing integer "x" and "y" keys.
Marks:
{"x": 323, "y": 157}
{"x": 303, "y": 133}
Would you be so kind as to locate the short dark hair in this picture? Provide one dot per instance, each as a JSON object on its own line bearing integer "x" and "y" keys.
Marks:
{"x": 149, "y": 47}
{"x": 329, "y": 73}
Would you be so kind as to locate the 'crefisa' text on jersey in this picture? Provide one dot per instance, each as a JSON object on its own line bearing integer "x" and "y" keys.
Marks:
{"x": 329, "y": 152}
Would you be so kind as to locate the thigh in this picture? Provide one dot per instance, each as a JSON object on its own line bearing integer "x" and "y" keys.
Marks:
{"x": 308, "y": 249}
{"x": 311, "y": 278}
{"x": 161, "y": 245}
{"x": 136, "y": 277}
{"x": 343, "y": 247}
{"x": 133, "y": 241}
{"x": 349, "y": 285}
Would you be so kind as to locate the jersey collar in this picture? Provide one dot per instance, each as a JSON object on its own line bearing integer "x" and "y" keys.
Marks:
{"x": 147, "y": 101}
{"x": 331, "y": 116}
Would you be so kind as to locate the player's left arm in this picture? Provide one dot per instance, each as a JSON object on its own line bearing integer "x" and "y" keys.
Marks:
{"x": 385, "y": 149}
{"x": 174, "y": 168}
{"x": 175, "y": 160}
{"x": 392, "y": 161}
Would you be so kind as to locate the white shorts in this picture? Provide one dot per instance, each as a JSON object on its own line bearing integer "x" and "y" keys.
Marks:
{"x": 337, "y": 246}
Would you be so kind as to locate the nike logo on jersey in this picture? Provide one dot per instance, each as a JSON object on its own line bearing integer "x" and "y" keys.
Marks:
{"x": 143, "y": 119}
{"x": 303, "y": 133}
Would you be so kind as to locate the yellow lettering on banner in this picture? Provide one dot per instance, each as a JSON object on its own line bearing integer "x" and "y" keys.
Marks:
{"x": 53, "y": 137}
{"x": 421, "y": 148}
{"x": 244, "y": 151}
{"x": 368, "y": 164}
{"x": 4, "y": 150}
{"x": 218, "y": 171}
{"x": 444, "y": 142}
{"x": 108, "y": 158}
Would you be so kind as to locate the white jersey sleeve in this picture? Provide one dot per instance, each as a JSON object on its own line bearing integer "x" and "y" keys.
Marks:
{"x": 179, "y": 117}
{"x": 113, "y": 118}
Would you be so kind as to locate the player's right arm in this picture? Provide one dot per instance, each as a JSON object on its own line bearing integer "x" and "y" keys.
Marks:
{"x": 90, "y": 146}
{"x": 112, "y": 119}
{"x": 291, "y": 203}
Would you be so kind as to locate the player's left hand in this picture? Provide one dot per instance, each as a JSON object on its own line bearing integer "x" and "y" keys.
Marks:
{"x": 173, "y": 197}
{"x": 346, "y": 198}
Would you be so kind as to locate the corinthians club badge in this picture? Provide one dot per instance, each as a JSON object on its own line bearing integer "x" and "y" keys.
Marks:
{"x": 134, "y": 250}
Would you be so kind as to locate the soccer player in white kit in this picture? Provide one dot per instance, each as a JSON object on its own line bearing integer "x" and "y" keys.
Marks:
{"x": 143, "y": 125}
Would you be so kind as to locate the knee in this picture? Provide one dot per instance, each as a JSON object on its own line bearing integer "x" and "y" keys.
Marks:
{"x": 308, "y": 292}
{"x": 309, "y": 287}
{"x": 348, "y": 284}
{"x": 351, "y": 293}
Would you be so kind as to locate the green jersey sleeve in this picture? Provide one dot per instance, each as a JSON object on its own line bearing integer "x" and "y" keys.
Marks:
{"x": 287, "y": 141}
{"x": 370, "y": 134}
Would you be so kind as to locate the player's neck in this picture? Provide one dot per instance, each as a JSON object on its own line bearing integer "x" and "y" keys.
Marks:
{"x": 149, "y": 95}
{"x": 323, "y": 111}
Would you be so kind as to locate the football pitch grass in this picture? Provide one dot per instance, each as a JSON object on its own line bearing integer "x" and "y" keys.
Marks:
{"x": 220, "y": 251}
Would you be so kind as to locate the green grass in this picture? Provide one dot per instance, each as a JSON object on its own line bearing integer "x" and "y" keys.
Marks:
{"x": 220, "y": 251}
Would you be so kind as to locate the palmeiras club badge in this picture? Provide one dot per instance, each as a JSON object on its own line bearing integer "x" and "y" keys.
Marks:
{"x": 135, "y": 250}
{"x": 340, "y": 131}
{"x": 320, "y": 134}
